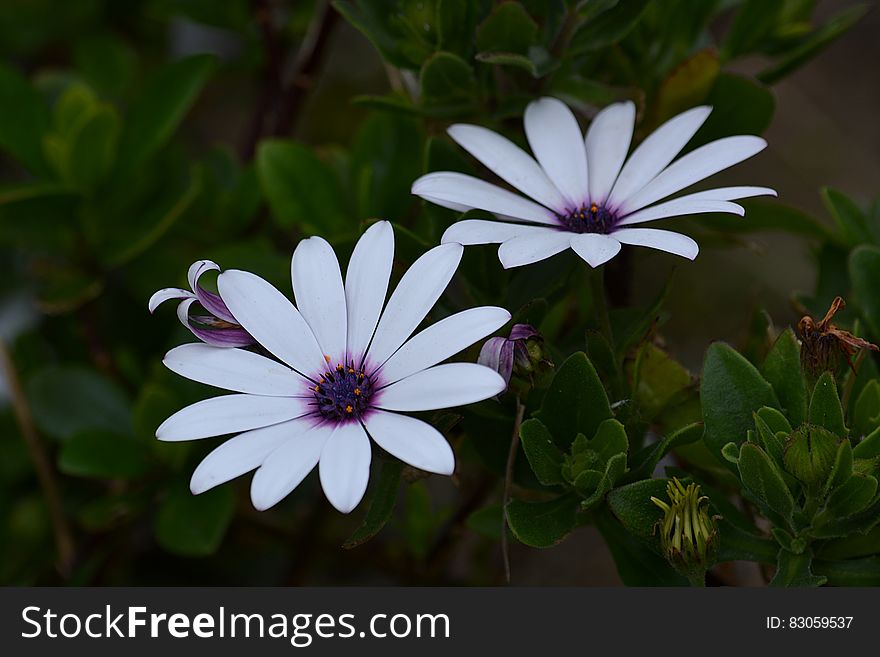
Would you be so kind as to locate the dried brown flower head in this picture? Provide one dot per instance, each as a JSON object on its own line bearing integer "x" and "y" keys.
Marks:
{"x": 822, "y": 342}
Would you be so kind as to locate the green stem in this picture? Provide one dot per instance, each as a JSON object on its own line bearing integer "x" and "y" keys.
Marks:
{"x": 600, "y": 303}
{"x": 508, "y": 484}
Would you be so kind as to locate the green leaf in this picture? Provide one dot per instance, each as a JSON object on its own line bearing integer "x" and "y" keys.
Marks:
{"x": 455, "y": 25}
{"x": 93, "y": 151}
{"x": 794, "y": 570}
{"x": 869, "y": 448}
{"x": 508, "y": 28}
{"x": 762, "y": 478}
{"x": 544, "y": 457}
{"x": 486, "y": 521}
{"x": 769, "y": 441}
{"x": 848, "y": 499}
{"x": 842, "y": 469}
{"x": 160, "y": 108}
{"x": 782, "y": 369}
{"x": 850, "y": 572}
{"x": 194, "y": 525}
{"x": 866, "y": 414}
{"x": 68, "y": 400}
{"x": 637, "y": 564}
{"x": 575, "y": 401}
{"x": 542, "y": 524}
{"x": 770, "y": 216}
{"x": 825, "y": 408}
{"x": 103, "y": 454}
{"x": 687, "y": 85}
{"x": 753, "y": 24}
{"x": 397, "y": 36}
{"x": 538, "y": 62}
{"x": 381, "y": 505}
{"x": 446, "y": 79}
{"x": 813, "y": 44}
{"x": 645, "y": 461}
{"x": 24, "y": 119}
{"x": 858, "y": 545}
{"x": 106, "y": 62}
{"x": 731, "y": 390}
{"x": 301, "y": 190}
{"x": 657, "y": 380}
{"x": 851, "y": 221}
{"x": 633, "y": 506}
{"x": 737, "y": 544}
{"x": 864, "y": 272}
{"x": 608, "y": 27}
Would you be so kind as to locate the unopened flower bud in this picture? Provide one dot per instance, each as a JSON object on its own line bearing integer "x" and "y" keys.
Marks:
{"x": 519, "y": 353}
{"x": 688, "y": 534}
{"x": 809, "y": 455}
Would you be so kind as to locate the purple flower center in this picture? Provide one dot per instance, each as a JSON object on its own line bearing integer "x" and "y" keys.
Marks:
{"x": 590, "y": 219}
{"x": 343, "y": 393}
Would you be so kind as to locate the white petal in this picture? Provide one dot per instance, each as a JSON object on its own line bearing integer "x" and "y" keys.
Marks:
{"x": 557, "y": 142}
{"x": 271, "y": 319}
{"x": 693, "y": 167}
{"x": 443, "y": 386}
{"x": 658, "y": 150}
{"x": 480, "y": 231}
{"x": 166, "y": 294}
{"x": 198, "y": 268}
{"x": 234, "y": 369}
{"x": 288, "y": 465}
{"x": 663, "y": 240}
{"x": 731, "y": 193}
{"x": 366, "y": 284}
{"x": 509, "y": 162}
{"x": 607, "y": 143}
{"x": 243, "y": 453}
{"x": 449, "y": 205}
{"x": 319, "y": 294}
{"x": 527, "y": 249}
{"x": 594, "y": 248}
{"x": 679, "y": 207}
{"x": 442, "y": 340}
{"x": 229, "y": 414}
{"x": 412, "y": 441}
{"x": 416, "y": 294}
{"x": 345, "y": 466}
{"x": 469, "y": 192}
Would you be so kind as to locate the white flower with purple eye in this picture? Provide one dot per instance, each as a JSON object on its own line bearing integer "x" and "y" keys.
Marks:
{"x": 586, "y": 194}
{"x": 218, "y": 327}
{"x": 345, "y": 372}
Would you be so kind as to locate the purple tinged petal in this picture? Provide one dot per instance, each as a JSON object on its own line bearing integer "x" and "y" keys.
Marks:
{"x": 166, "y": 294}
{"x": 497, "y": 354}
{"x": 523, "y": 332}
{"x": 214, "y": 304}
{"x": 227, "y": 337}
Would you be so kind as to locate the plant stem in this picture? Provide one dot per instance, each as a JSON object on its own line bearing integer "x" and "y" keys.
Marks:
{"x": 508, "y": 484}
{"x": 600, "y": 303}
{"x": 42, "y": 465}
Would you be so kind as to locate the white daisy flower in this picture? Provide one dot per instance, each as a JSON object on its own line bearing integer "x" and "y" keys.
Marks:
{"x": 346, "y": 370}
{"x": 584, "y": 192}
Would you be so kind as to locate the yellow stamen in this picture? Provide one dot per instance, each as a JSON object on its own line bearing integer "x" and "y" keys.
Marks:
{"x": 349, "y": 408}
{"x": 357, "y": 392}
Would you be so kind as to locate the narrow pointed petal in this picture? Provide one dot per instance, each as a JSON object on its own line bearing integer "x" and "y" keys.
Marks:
{"x": 557, "y": 142}
{"x": 469, "y": 192}
{"x": 653, "y": 154}
{"x": 210, "y": 301}
{"x": 272, "y": 320}
{"x": 663, "y": 240}
{"x": 607, "y": 143}
{"x": 234, "y": 369}
{"x": 285, "y": 467}
{"x": 414, "y": 442}
{"x": 527, "y": 249}
{"x": 366, "y": 284}
{"x": 442, "y": 386}
{"x": 595, "y": 249}
{"x": 167, "y": 294}
{"x": 509, "y": 162}
{"x": 731, "y": 193}
{"x": 449, "y": 205}
{"x": 345, "y": 466}
{"x": 680, "y": 207}
{"x": 443, "y": 340}
{"x": 229, "y": 414}
{"x": 243, "y": 453}
{"x": 319, "y": 294}
{"x": 227, "y": 336}
{"x": 480, "y": 231}
{"x": 416, "y": 294}
{"x": 694, "y": 167}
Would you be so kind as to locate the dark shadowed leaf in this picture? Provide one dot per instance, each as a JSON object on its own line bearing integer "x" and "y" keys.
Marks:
{"x": 194, "y": 525}
{"x": 381, "y": 505}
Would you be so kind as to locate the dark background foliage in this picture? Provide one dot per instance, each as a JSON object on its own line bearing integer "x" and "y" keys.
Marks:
{"x": 137, "y": 137}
